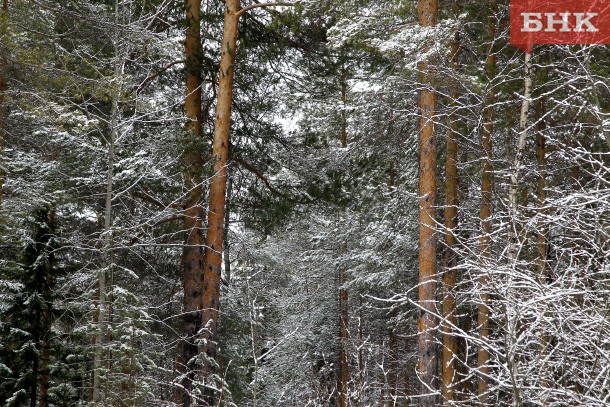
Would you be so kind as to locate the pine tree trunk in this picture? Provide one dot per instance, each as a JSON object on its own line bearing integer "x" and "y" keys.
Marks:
{"x": 218, "y": 186}
{"x": 3, "y": 90}
{"x": 451, "y": 222}
{"x": 485, "y": 210}
{"x": 428, "y": 11}
{"x": 192, "y": 253}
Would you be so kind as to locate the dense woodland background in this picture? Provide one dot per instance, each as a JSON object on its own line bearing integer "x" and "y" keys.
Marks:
{"x": 387, "y": 169}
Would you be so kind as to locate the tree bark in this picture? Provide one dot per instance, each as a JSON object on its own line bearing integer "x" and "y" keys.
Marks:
{"x": 518, "y": 160}
{"x": 192, "y": 253}
{"x": 343, "y": 377}
{"x": 427, "y": 365}
{"x": 361, "y": 383}
{"x": 512, "y": 324}
{"x": 226, "y": 243}
{"x": 393, "y": 367}
{"x": 102, "y": 289}
{"x": 343, "y": 342}
{"x": 450, "y": 349}
{"x": 485, "y": 210}
{"x": 541, "y": 241}
{"x": 541, "y": 193}
{"x": 3, "y": 90}
{"x": 218, "y": 186}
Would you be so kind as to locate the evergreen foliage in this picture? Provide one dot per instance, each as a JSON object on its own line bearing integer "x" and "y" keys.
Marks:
{"x": 318, "y": 302}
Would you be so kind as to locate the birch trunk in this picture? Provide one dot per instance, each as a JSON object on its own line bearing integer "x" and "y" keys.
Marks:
{"x": 513, "y": 243}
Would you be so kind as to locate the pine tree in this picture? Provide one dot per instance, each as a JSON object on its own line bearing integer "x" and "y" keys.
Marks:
{"x": 428, "y": 17}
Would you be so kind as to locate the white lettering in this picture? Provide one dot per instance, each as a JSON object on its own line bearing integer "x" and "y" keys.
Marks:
{"x": 551, "y": 21}
{"x": 582, "y": 19}
{"x": 528, "y": 20}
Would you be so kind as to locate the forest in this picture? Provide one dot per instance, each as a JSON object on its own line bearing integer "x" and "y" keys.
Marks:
{"x": 341, "y": 203}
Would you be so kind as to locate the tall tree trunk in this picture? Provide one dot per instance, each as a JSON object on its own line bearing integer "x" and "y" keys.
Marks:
{"x": 343, "y": 377}
{"x": 428, "y": 12}
{"x": 512, "y": 323}
{"x": 3, "y": 90}
{"x": 252, "y": 316}
{"x": 192, "y": 253}
{"x": 541, "y": 244}
{"x": 518, "y": 160}
{"x": 361, "y": 383}
{"x": 393, "y": 367}
{"x": 102, "y": 319}
{"x": 218, "y": 186}
{"x": 226, "y": 243}
{"x": 451, "y": 222}
{"x": 485, "y": 210}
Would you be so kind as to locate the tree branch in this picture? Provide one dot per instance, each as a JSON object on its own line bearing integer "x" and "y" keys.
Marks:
{"x": 167, "y": 220}
{"x": 270, "y": 187}
{"x": 152, "y": 77}
{"x": 146, "y": 197}
{"x": 245, "y": 9}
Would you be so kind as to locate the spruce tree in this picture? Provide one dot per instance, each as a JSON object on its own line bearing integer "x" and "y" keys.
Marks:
{"x": 28, "y": 316}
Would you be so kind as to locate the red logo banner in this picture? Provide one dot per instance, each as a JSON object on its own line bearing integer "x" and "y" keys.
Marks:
{"x": 559, "y": 22}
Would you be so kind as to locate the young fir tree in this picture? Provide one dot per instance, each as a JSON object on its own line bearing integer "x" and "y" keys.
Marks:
{"x": 27, "y": 321}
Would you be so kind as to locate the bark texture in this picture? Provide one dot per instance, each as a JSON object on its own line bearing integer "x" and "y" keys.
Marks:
{"x": 428, "y": 360}
{"x": 512, "y": 325}
{"x": 541, "y": 232}
{"x": 485, "y": 210}
{"x": 450, "y": 346}
{"x": 218, "y": 187}
{"x": 192, "y": 254}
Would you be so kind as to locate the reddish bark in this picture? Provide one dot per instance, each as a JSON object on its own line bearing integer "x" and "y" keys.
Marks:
{"x": 192, "y": 254}
{"x": 218, "y": 187}
{"x": 450, "y": 346}
{"x": 427, "y": 366}
{"x": 485, "y": 211}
